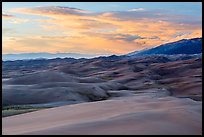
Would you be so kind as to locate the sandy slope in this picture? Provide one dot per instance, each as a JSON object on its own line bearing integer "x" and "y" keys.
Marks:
{"x": 141, "y": 114}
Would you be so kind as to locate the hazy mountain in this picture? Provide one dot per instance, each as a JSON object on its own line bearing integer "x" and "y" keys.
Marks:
{"x": 184, "y": 46}
{"x": 44, "y": 55}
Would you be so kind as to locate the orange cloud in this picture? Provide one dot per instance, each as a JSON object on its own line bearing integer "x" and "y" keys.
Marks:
{"x": 106, "y": 32}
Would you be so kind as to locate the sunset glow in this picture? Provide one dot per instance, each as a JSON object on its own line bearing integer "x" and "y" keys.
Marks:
{"x": 96, "y": 28}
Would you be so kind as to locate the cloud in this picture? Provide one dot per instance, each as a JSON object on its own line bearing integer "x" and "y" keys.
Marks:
{"x": 8, "y": 31}
{"x": 116, "y": 32}
{"x": 180, "y": 34}
{"x": 19, "y": 20}
{"x": 7, "y": 16}
{"x": 54, "y": 44}
{"x": 52, "y": 10}
{"x": 139, "y": 14}
{"x": 138, "y": 9}
{"x": 123, "y": 37}
{"x": 135, "y": 14}
{"x": 127, "y": 37}
{"x": 15, "y": 20}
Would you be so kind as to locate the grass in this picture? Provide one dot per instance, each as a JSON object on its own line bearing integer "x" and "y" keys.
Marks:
{"x": 19, "y": 109}
{"x": 6, "y": 113}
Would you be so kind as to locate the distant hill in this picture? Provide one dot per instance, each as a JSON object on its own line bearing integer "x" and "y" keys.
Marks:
{"x": 27, "y": 56}
{"x": 184, "y": 46}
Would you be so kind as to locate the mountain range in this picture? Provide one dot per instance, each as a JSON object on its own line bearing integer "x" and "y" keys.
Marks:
{"x": 28, "y": 56}
{"x": 184, "y": 46}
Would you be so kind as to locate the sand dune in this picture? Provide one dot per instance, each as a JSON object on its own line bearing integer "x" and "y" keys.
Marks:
{"x": 145, "y": 95}
{"x": 126, "y": 115}
{"x": 89, "y": 80}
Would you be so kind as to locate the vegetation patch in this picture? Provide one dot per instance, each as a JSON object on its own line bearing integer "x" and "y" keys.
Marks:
{"x": 19, "y": 109}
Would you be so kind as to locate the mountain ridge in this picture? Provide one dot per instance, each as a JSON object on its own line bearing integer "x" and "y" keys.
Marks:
{"x": 183, "y": 46}
{"x": 44, "y": 55}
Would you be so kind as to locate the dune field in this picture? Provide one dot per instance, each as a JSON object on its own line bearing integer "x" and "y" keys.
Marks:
{"x": 110, "y": 95}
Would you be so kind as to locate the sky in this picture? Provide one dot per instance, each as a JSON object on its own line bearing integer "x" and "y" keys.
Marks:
{"x": 102, "y": 28}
